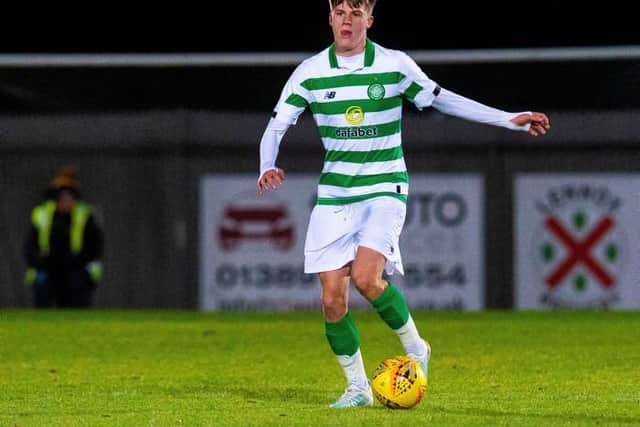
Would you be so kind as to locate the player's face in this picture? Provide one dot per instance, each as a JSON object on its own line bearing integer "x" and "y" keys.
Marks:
{"x": 349, "y": 28}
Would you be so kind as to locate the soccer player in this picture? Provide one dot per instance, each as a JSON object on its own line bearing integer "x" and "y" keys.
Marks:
{"x": 355, "y": 89}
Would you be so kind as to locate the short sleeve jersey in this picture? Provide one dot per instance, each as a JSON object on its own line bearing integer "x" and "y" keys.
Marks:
{"x": 358, "y": 113}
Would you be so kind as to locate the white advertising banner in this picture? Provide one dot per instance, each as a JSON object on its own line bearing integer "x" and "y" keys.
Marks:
{"x": 252, "y": 248}
{"x": 577, "y": 238}
{"x": 442, "y": 243}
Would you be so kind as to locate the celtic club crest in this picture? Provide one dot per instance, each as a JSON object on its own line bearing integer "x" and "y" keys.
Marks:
{"x": 376, "y": 91}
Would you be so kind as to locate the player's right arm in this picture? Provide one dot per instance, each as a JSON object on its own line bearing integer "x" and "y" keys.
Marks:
{"x": 293, "y": 101}
{"x": 271, "y": 177}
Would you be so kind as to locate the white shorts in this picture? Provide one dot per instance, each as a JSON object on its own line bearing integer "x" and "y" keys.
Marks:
{"x": 336, "y": 232}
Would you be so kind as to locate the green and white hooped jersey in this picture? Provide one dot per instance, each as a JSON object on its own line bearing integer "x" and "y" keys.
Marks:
{"x": 359, "y": 117}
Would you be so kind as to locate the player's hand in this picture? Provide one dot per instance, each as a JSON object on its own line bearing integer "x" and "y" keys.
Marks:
{"x": 539, "y": 122}
{"x": 270, "y": 180}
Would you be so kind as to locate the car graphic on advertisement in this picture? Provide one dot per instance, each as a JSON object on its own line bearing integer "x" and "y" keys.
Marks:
{"x": 251, "y": 223}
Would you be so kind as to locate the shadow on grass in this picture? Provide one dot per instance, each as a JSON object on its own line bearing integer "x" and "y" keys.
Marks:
{"x": 282, "y": 394}
{"x": 613, "y": 420}
{"x": 297, "y": 395}
{"x": 254, "y": 393}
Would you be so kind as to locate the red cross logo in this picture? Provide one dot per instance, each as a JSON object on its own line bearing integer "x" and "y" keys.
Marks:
{"x": 579, "y": 251}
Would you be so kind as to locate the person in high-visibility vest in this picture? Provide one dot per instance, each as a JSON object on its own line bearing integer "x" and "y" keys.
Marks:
{"x": 64, "y": 246}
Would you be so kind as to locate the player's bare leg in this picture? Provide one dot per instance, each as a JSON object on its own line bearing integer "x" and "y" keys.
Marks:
{"x": 366, "y": 272}
{"x": 335, "y": 293}
{"x": 344, "y": 338}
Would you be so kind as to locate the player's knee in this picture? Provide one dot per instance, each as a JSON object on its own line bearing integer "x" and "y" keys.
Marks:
{"x": 364, "y": 280}
{"x": 334, "y": 301}
{"x": 334, "y": 307}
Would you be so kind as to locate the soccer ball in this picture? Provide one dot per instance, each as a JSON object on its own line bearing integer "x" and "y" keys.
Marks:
{"x": 399, "y": 382}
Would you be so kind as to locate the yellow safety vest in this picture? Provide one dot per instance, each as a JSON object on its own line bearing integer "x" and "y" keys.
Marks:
{"x": 42, "y": 220}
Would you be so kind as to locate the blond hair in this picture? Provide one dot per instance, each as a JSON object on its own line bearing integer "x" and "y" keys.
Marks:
{"x": 368, "y": 5}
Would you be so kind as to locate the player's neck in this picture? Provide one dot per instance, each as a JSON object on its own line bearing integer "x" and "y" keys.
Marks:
{"x": 352, "y": 52}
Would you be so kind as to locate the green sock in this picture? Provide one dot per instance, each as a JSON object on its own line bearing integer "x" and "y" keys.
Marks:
{"x": 392, "y": 307}
{"x": 343, "y": 336}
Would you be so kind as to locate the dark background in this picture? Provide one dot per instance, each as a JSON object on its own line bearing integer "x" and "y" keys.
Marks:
{"x": 303, "y": 27}
{"x": 144, "y": 136}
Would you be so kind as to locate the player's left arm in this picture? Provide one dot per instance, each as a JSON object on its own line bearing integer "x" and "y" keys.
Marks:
{"x": 451, "y": 103}
{"x": 538, "y": 122}
{"x": 423, "y": 92}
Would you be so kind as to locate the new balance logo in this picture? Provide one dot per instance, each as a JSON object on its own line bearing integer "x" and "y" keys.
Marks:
{"x": 330, "y": 95}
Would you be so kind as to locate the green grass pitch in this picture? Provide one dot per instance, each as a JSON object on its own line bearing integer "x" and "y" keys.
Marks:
{"x": 166, "y": 368}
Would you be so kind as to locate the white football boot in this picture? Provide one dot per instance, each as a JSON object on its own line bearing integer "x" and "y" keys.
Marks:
{"x": 353, "y": 397}
{"x": 424, "y": 360}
